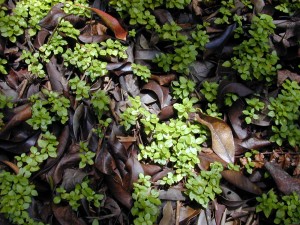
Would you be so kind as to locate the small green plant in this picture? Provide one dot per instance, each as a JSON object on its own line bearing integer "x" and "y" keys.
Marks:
{"x": 145, "y": 208}
{"x": 186, "y": 107}
{"x": 253, "y": 59}
{"x": 213, "y": 110}
{"x": 85, "y": 58}
{"x": 247, "y": 162}
{"x": 81, "y": 191}
{"x": 203, "y": 187}
{"x": 130, "y": 116}
{"x": 286, "y": 207}
{"x": 233, "y": 167}
{"x": 171, "y": 31}
{"x": 254, "y": 105}
{"x": 2, "y": 68}
{"x": 179, "y": 4}
{"x": 225, "y": 10}
{"x": 267, "y": 203}
{"x": 183, "y": 87}
{"x": 100, "y": 102}
{"x": 210, "y": 90}
{"x": 34, "y": 65}
{"x": 53, "y": 47}
{"x": 230, "y": 98}
{"x": 16, "y": 194}
{"x": 52, "y": 108}
{"x": 80, "y": 88}
{"x": 284, "y": 110}
{"x": 142, "y": 71}
{"x": 67, "y": 29}
{"x": 288, "y": 6}
{"x": 86, "y": 156}
{"x": 113, "y": 48}
{"x": 177, "y": 143}
{"x": 47, "y": 144}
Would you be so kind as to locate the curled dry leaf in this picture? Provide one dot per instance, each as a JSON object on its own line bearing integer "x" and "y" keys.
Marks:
{"x": 111, "y": 22}
{"x": 221, "y": 135}
{"x": 163, "y": 79}
{"x": 161, "y": 92}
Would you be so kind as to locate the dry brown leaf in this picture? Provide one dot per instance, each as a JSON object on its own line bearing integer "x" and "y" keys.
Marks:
{"x": 241, "y": 181}
{"x": 168, "y": 215}
{"x": 221, "y": 135}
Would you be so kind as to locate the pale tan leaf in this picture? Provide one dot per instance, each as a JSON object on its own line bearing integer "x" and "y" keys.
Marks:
{"x": 221, "y": 135}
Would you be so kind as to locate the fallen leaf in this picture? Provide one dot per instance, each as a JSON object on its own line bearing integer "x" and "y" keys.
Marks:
{"x": 161, "y": 92}
{"x": 168, "y": 215}
{"x": 163, "y": 79}
{"x": 285, "y": 183}
{"x": 241, "y": 181}
{"x": 14, "y": 167}
{"x": 111, "y": 22}
{"x": 66, "y": 216}
{"x": 221, "y": 135}
{"x": 172, "y": 194}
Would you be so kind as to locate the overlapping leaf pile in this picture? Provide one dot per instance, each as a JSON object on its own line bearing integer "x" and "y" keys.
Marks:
{"x": 149, "y": 112}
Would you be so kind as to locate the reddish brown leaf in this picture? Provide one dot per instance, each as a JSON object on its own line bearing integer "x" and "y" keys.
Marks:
{"x": 163, "y": 79}
{"x": 161, "y": 92}
{"x": 221, "y": 135}
{"x": 241, "y": 181}
{"x": 151, "y": 169}
{"x": 285, "y": 183}
{"x": 14, "y": 167}
{"x": 111, "y": 22}
{"x": 66, "y": 216}
{"x": 166, "y": 112}
{"x": 119, "y": 193}
{"x": 18, "y": 118}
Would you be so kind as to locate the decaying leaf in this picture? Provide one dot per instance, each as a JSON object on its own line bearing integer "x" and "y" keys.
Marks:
{"x": 221, "y": 135}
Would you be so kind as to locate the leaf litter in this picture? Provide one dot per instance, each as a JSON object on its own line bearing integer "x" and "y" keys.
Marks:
{"x": 116, "y": 165}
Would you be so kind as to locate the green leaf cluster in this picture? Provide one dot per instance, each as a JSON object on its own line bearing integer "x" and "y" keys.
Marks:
{"x": 53, "y": 107}
{"x": 248, "y": 158}
{"x": 145, "y": 208}
{"x": 2, "y": 67}
{"x": 86, "y": 156}
{"x": 179, "y": 4}
{"x": 253, "y": 58}
{"x": 182, "y": 88}
{"x": 230, "y": 98}
{"x": 113, "y": 48}
{"x": 47, "y": 146}
{"x": 178, "y": 143}
{"x": 225, "y": 10}
{"x": 288, "y": 6}
{"x": 142, "y": 71}
{"x": 254, "y": 105}
{"x": 80, "y": 87}
{"x": 132, "y": 113}
{"x": 285, "y": 209}
{"x": 100, "y": 102}
{"x": 210, "y": 90}
{"x": 34, "y": 65}
{"x": 86, "y": 59}
{"x": 203, "y": 187}
{"x": 16, "y": 194}
{"x": 81, "y": 191}
{"x": 284, "y": 110}
{"x": 53, "y": 47}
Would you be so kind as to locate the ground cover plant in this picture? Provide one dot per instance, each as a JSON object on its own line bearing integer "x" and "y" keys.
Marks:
{"x": 149, "y": 112}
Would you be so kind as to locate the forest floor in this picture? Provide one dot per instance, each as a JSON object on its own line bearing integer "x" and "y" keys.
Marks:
{"x": 149, "y": 112}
